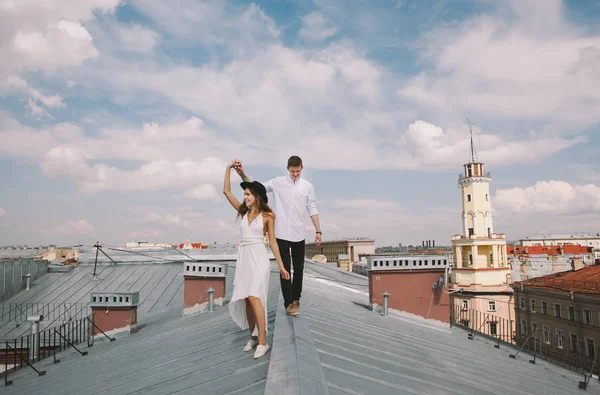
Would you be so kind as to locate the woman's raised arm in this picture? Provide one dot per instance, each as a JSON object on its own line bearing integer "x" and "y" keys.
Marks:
{"x": 227, "y": 188}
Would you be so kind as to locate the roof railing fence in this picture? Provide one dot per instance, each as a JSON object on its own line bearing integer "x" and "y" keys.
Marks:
{"x": 27, "y": 350}
{"x": 583, "y": 355}
{"x": 55, "y": 312}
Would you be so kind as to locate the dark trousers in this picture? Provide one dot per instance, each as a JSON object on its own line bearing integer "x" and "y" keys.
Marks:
{"x": 292, "y": 288}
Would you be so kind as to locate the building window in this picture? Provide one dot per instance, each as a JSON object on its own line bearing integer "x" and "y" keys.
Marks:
{"x": 465, "y": 305}
{"x": 468, "y": 197}
{"x": 420, "y": 263}
{"x": 587, "y": 317}
{"x": 524, "y": 328}
{"x": 556, "y": 310}
{"x": 573, "y": 343}
{"x": 533, "y": 329}
{"x": 589, "y": 348}
{"x": 445, "y": 262}
{"x": 560, "y": 337}
{"x": 375, "y": 263}
{"x": 547, "y": 334}
{"x": 387, "y": 263}
{"x": 486, "y": 198}
{"x": 545, "y": 308}
{"x": 426, "y": 262}
{"x": 522, "y": 303}
{"x": 572, "y": 316}
{"x": 532, "y": 305}
{"x": 471, "y": 231}
{"x": 493, "y": 329}
{"x": 491, "y": 305}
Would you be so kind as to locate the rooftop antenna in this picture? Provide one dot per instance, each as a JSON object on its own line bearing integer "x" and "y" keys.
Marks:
{"x": 473, "y": 153}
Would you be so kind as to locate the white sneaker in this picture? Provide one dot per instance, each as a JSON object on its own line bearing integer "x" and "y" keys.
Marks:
{"x": 261, "y": 350}
{"x": 250, "y": 345}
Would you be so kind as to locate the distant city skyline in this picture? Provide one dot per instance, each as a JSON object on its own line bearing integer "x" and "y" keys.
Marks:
{"x": 117, "y": 117}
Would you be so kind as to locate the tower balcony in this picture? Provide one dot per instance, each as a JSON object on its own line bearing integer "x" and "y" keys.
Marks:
{"x": 492, "y": 236}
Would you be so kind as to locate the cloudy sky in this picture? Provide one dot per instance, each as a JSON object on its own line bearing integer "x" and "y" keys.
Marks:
{"x": 117, "y": 117}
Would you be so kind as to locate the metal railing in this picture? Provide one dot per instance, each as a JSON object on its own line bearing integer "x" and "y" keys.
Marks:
{"x": 51, "y": 311}
{"x": 484, "y": 323}
{"x": 25, "y": 351}
{"x": 582, "y": 358}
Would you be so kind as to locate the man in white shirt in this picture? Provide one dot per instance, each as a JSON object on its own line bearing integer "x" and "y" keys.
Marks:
{"x": 292, "y": 197}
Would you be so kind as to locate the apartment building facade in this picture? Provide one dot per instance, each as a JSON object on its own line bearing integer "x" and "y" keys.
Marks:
{"x": 558, "y": 316}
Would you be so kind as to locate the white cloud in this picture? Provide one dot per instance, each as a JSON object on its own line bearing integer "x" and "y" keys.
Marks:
{"x": 36, "y": 111}
{"x": 155, "y": 175}
{"x": 81, "y": 227}
{"x": 2, "y": 212}
{"x": 145, "y": 235}
{"x": 214, "y": 23}
{"x": 549, "y": 197}
{"x": 45, "y": 35}
{"x": 65, "y": 44}
{"x": 316, "y": 27}
{"x": 136, "y": 38}
{"x": 202, "y": 192}
{"x": 14, "y": 82}
{"x": 532, "y": 66}
{"x": 366, "y": 204}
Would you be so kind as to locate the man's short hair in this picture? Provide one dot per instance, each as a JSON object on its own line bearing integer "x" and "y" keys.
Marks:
{"x": 294, "y": 161}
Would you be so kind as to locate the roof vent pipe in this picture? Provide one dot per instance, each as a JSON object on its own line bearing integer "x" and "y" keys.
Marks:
{"x": 34, "y": 343}
{"x": 385, "y": 303}
{"x": 211, "y": 293}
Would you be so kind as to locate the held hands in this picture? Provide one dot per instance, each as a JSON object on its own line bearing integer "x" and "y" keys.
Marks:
{"x": 284, "y": 273}
{"x": 237, "y": 165}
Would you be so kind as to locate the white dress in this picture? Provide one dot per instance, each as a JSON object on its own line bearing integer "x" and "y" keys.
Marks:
{"x": 251, "y": 271}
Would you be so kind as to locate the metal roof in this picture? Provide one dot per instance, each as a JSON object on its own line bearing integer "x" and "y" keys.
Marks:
{"x": 60, "y": 295}
{"x": 337, "y": 345}
{"x": 363, "y": 352}
{"x": 198, "y": 354}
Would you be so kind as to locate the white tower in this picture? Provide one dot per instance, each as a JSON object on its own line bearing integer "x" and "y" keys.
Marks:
{"x": 480, "y": 268}
{"x": 478, "y": 247}
{"x": 476, "y": 205}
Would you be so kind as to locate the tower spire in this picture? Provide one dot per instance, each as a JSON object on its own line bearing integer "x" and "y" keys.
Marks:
{"x": 473, "y": 158}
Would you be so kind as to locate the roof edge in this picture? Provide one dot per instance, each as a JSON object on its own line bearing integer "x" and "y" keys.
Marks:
{"x": 294, "y": 367}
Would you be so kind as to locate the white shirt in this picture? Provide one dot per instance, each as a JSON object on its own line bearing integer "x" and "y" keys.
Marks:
{"x": 291, "y": 200}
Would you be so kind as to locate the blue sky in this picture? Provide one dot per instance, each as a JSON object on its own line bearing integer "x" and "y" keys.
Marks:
{"x": 117, "y": 117}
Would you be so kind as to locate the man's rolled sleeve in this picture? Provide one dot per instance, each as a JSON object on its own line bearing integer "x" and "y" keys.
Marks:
{"x": 311, "y": 202}
{"x": 269, "y": 185}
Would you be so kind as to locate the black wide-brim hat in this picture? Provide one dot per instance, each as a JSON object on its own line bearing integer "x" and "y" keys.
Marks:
{"x": 256, "y": 187}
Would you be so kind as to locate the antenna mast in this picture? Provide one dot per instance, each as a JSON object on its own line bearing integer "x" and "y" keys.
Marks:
{"x": 473, "y": 154}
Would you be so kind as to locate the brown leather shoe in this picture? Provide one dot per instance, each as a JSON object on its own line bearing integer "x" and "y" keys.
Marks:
{"x": 292, "y": 309}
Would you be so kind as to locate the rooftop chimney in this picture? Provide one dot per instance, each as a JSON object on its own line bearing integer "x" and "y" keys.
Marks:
{"x": 114, "y": 312}
{"x": 198, "y": 278}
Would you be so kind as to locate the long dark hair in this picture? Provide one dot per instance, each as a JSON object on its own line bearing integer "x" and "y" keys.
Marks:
{"x": 262, "y": 206}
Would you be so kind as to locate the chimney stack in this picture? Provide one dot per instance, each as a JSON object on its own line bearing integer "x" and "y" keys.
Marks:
{"x": 198, "y": 278}
{"x": 114, "y": 312}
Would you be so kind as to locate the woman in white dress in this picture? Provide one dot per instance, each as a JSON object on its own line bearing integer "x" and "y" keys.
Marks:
{"x": 248, "y": 303}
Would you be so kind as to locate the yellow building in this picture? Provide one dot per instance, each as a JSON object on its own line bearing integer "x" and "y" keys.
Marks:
{"x": 480, "y": 265}
{"x": 351, "y": 247}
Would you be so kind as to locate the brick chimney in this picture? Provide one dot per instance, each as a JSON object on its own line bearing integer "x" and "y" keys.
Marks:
{"x": 198, "y": 277}
{"x": 414, "y": 285}
{"x": 114, "y": 312}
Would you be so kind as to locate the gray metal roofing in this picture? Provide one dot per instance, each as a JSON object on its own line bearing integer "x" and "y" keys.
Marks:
{"x": 160, "y": 289}
{"x": 356, "y": 350}
{"x": 199, "y": 354}
{"x": 364, "y": 352}
{"x": 22, "y": 254}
